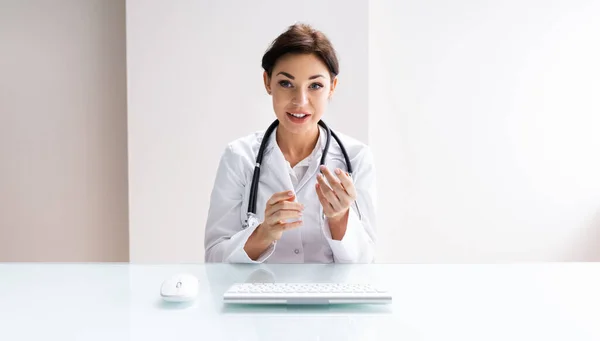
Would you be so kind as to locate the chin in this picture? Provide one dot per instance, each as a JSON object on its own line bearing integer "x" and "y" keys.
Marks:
{"x": 295, "y": 129}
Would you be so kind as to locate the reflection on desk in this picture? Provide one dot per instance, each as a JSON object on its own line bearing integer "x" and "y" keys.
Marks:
{"x": 431, "y": 302}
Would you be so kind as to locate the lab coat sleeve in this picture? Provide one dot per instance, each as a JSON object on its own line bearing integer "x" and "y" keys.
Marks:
{"x": 225, "y": 238}
{"x": 358, "y": 243}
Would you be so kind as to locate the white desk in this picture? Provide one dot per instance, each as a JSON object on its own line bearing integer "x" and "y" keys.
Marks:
{"x": 431, "y": 302}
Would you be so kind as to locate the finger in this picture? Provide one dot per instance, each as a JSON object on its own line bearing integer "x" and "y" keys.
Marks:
{"x": 280, "y": 196}
{"x": 347, "y": 182}
{"x": 283, "y": 206}
{"x": 289, "y": 205}
{"x": 334, "y": 182}
{"x": 289, "y": 226}
{"x": 327, "y": 208}
{"x": 273, "y": 212}
{"x": 281, "y": 216}
{"x": 342, "y": 193}
{"x": 328, "y": 193}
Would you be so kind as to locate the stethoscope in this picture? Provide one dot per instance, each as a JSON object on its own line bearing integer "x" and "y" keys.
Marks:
{"x": 251, "y": 212}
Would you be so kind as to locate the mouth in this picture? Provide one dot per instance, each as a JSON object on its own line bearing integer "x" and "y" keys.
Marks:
{"x": 298, "y": 117}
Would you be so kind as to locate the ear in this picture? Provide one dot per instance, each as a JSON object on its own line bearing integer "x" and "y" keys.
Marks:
{"x": 333, "y": 86}
{"x": 267, "y": 81}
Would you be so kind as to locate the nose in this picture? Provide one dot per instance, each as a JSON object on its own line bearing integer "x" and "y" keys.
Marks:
{"x": 300, "y": 97}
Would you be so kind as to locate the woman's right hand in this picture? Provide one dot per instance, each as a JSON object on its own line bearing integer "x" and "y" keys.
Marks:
{"x": 280, "y": 208}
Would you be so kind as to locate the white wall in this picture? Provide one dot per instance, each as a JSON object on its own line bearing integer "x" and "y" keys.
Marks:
{"x": 63, "y": 133}
{"x": 483, "y": 117}
{"x": 485, "y": 124}
{"x": 195, "y": 83}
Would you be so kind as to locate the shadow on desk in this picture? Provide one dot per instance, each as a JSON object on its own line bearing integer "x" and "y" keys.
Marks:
{"x": 331, "y": 310}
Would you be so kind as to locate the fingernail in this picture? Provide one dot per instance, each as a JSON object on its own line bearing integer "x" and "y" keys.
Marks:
{"x": 290, "y": 193}
{"x": 338, "y": 171}
{"x": 322, "y": 167}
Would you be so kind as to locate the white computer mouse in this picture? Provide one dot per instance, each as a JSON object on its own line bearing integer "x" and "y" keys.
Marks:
{"x": 179, "y": 288}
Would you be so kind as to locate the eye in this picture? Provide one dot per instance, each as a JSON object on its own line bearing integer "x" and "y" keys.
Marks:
{"x": 285, "y": 84}
{"x": 316, "y": 86}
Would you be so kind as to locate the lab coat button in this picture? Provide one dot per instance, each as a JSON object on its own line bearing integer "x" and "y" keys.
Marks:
{"x": 296, "y": 251}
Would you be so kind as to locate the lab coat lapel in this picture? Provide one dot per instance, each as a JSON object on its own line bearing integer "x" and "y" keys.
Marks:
{"x": 276, "y": 166}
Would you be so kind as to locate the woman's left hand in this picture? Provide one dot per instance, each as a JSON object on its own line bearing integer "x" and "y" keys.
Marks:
{"x": 337, "y": 198}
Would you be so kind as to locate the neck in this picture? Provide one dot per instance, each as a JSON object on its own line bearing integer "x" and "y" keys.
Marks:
{"x": 296, "y": 147}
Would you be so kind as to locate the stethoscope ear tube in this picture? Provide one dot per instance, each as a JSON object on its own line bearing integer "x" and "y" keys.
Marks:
{"x": 256, "y": 175}
{"x": 346, "y": 158}
{"x": 327, "y": 141}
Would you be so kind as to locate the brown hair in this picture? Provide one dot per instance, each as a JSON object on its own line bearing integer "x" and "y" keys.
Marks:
{"x": 301, "y": 39}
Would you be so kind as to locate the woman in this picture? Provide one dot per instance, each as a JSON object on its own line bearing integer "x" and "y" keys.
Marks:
{"x": 305, "y": 213}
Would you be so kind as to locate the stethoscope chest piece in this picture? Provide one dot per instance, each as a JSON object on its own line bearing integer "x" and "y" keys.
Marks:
{"x": 251, "y": 221}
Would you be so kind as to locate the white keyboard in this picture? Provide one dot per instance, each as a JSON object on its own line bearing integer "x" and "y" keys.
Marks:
{"x": 305, "y": 293}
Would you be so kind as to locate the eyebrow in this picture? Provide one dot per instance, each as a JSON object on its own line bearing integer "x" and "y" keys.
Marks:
{"x": 292, "y": 77}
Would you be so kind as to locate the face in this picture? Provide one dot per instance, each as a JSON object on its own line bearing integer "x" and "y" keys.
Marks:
{"x": 301, "y": 87}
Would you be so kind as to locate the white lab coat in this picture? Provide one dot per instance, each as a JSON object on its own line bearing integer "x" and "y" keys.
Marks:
{"x": 311, "y": 242}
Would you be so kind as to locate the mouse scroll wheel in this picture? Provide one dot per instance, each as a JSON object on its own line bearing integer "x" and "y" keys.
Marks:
{"x": 178, "y": 285}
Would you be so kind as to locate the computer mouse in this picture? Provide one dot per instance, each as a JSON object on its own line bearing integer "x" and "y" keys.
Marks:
{"x": 179, "y": 288}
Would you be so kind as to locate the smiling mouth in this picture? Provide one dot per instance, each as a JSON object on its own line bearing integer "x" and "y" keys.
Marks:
{"x": 298, "y": 115}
